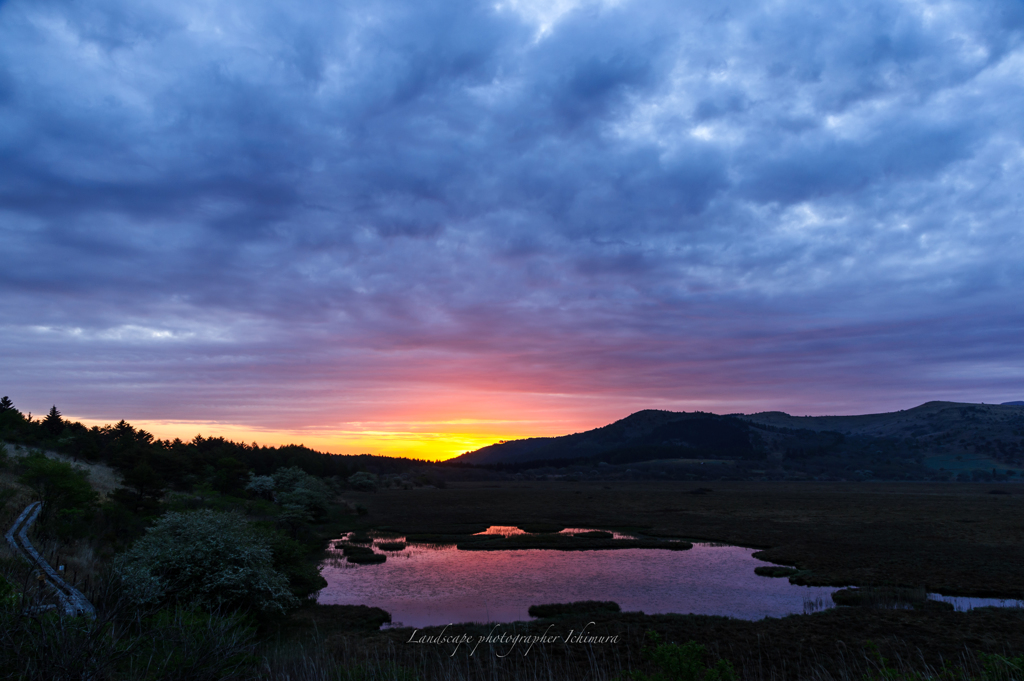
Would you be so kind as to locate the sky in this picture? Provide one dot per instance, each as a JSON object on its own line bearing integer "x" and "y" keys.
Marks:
{"x": 416, "y": 228}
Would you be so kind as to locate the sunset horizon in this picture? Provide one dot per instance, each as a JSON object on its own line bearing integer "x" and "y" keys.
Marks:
{"x": 422, "y": 440}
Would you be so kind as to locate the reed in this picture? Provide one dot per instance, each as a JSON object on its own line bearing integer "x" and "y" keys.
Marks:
{"x": 647, "y": 658}
{"x": 391, "y": 545}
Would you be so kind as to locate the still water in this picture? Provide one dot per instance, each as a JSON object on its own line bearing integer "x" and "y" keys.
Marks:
{"x": 425, "y": 585}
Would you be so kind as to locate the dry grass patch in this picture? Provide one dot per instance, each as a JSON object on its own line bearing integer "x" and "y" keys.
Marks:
{"x": 102, "y": 477}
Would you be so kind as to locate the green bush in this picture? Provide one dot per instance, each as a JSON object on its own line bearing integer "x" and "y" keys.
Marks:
{"x": 9, "y": 594}
{"x": 207, "y": 557}
{"x": 292, "y": 560}
{"x": 363, "y": 481}
{"x": 294, "y": 487}
{"x": 261, "y": 485}
{"x": 58, "y": 485}
{"x": 997, "y": 667}
{"x": 674, "y": 662}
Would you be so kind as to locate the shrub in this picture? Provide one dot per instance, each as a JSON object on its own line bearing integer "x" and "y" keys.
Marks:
{"x": 674, "y": 662}
{"x": 363, "y": 481}
{"x": 297, "y": 488}
{"x": 1000, "y": 666}
{"x": 215, "y": 559}
{"x": 261, "y": 485}
{"x": 291, "y": 559}
{"x": 58, "y": 485}
{"x": 9, "y": 594}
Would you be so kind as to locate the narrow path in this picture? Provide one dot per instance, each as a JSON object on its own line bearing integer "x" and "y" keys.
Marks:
{"x": 71, "y": 599}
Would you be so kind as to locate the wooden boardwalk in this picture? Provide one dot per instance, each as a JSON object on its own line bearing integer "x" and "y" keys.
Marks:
{"x": 71, "y": 599}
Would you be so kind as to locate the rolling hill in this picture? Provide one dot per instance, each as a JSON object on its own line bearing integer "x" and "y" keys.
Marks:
{"x": 648, "y": 434}
{"x": 936, "y": 440}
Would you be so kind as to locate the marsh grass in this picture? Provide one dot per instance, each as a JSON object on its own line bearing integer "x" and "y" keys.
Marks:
{"x": 888, "y": 597}
{"x": 391, "y": 545}
{"x": 123, "y": 641}
{"x": 349, "y": 550}
{"x": 353, "y": 658}
{"x": 954, "y": 538}
{"x": 646, "y": 657}
{"x": 775, "y": 571}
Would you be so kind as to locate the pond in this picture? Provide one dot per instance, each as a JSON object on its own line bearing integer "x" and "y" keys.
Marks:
{"x": 431, "y": 584}
{"x": 424, "y": 585}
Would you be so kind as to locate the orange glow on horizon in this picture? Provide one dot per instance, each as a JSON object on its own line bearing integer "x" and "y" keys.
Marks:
{"x": 431, "y": 441}
{"x": 432, "y": 425}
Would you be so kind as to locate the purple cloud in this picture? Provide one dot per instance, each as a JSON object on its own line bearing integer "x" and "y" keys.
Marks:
{"x": 800, "y": 206}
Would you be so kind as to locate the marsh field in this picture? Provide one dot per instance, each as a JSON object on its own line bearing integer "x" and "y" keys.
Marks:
{"x": 954, "y": 539}
{"x": 958, "y": 539}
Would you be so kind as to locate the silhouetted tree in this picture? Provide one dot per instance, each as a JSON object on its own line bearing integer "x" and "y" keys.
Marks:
{"x": 143, "y": 488}
{"x": 231, "y": 475}
{"x": 9, "y": 416}
{"x": 53, "y": 423}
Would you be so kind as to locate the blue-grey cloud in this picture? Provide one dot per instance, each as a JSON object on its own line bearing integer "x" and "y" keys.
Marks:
{"x": 813, "y": 204}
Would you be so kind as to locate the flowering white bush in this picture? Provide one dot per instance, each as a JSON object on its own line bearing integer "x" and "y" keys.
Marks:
{"x": 262, "y": 485}
{"x": 215, "y": 559}
{"x": 296, "y": 488}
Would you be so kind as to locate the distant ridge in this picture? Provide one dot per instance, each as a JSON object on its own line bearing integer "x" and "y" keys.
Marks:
{"x": 1015, "y": 403}
{"x": 647, "y": 434}
{"x": 933, "y": 441}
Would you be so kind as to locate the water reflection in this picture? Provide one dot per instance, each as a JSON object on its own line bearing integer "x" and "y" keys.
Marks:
{"x": 962, "y": 603}
{"x": 432, "y": 584}
{"x": 437, "y": 584}
{"x": 512, "y": 530}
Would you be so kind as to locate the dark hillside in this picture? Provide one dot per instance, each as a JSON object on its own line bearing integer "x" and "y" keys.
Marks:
{"x": 966, "y": 439}
{"x": 935, "y": 441}
{"x": 645, "y": 435}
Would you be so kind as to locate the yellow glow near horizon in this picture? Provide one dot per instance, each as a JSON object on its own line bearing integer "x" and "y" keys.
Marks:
{"x": 431, "y": 441}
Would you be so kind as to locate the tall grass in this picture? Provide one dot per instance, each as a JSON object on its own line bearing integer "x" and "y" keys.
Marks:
{"x": 355, "y": 659}
{"x": 382, "y": 659}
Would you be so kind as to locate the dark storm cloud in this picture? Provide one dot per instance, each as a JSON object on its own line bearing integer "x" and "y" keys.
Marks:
{"x": 748, "y": 202}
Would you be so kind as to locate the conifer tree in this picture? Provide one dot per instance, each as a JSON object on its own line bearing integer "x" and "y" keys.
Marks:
{"x": 53, "y": 422}
{"x": 6, "y": 404}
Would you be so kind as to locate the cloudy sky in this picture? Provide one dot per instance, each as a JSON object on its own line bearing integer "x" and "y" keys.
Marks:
{"x": 418, "y": 227}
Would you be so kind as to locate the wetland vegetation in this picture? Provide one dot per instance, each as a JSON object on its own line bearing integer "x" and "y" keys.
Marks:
{"x": 109, "y": 489}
